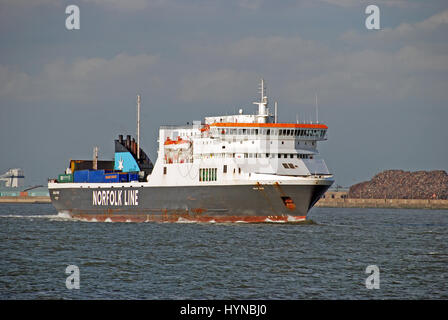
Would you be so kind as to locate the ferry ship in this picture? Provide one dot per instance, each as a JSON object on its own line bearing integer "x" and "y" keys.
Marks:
{"x": 232, "y": 168}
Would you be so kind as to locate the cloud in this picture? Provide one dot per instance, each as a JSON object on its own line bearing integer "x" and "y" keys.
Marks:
{"x": 262, "y": 53}
{"x": 11, "y": 80}
{"x": 128, "y": 5}
{"x": 228, "y": 71}
{"x": 434, "y": 21}
{"x": 300, "y": 68}
{"x": 220, "y": 86}
{"x": 83, "y": 79}
{"x": 364, "y": 3}
{"x": 29, "y": 3}
{"x": 405, "y": 33}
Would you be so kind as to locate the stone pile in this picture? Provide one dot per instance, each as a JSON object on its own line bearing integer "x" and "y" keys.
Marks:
{"x": 399, "y": 184}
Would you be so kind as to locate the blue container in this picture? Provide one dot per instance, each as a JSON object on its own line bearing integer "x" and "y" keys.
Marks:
{"x": 96, "y": 176}
{"x": 81, "y": 176}
{"x": 123, "y": 177}
{"x": 111, "y": 177}
{"x": 133, "y": 176}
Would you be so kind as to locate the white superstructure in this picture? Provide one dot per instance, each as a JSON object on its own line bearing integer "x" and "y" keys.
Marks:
{"x": 240, "y": 149}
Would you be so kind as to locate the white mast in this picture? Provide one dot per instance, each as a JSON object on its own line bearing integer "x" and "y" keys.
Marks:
{"x": 262, "y": 105}
{"x": 262, "y": 90}
{"x": 317, "y": 111}
{"x": 138, "y": 126}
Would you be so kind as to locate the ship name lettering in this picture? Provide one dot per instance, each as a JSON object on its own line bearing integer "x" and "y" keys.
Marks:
{"x": 131, "y": 198}
{"x": 119, "y": 197}
{"x": 115, "y": 198}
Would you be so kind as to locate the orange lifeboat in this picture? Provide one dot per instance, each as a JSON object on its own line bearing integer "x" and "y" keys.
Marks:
{"x": 179, "y": 141}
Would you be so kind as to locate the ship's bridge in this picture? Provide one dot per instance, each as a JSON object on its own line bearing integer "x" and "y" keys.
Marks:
{"x": 301, "y": 131}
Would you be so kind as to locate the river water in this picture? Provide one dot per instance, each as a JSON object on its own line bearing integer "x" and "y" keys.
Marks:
{"x": 325, "y": 259}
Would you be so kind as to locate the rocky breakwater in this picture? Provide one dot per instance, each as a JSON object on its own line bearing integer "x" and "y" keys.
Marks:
{"x": 399, "y": 184}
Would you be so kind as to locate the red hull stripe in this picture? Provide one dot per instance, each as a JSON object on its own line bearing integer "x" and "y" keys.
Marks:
{"x": 186, "y": 218}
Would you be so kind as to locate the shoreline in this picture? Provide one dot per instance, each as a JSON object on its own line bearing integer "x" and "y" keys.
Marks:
{"x": 383, "y": 203}
{"x": 323, "y": 203}
{"x": 25, "y": 199}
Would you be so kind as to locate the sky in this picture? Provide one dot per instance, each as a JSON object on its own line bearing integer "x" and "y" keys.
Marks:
{"x": 382, "y": 93}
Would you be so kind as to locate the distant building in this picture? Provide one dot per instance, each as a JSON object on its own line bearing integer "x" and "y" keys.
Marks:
{"x": 12, "y": 184}
{"x": 336, "y": 193}
{"x": 13, "y": 178}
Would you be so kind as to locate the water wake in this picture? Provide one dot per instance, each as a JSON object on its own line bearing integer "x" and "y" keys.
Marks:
{"x": 52, "y": 217}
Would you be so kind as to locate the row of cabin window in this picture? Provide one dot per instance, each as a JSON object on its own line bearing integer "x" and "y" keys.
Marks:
{"x": 208, "y": 174}
{"x": 258, "y": 155}
{"x": 279, "y": 155}
{"x": 275, "y": 132}
{"x": 313, "y": 143}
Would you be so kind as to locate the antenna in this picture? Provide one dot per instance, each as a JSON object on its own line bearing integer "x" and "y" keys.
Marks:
{"x": 317, "y": 111}
{"x": 275, "y": 112}
{"x": 138, "y": 127}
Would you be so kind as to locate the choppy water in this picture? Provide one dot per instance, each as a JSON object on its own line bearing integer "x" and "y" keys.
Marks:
{"x": 324, "y": 260}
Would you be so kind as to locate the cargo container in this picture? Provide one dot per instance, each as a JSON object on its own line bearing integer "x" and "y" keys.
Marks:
{"x": 111, "y": 177}
{"x": 133, "y": 176}
{"x": 65, "y": 178}
{"x": 123, "y": 177}
{"x": 81, "y": 176}
{"x": 96, "y": 176}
